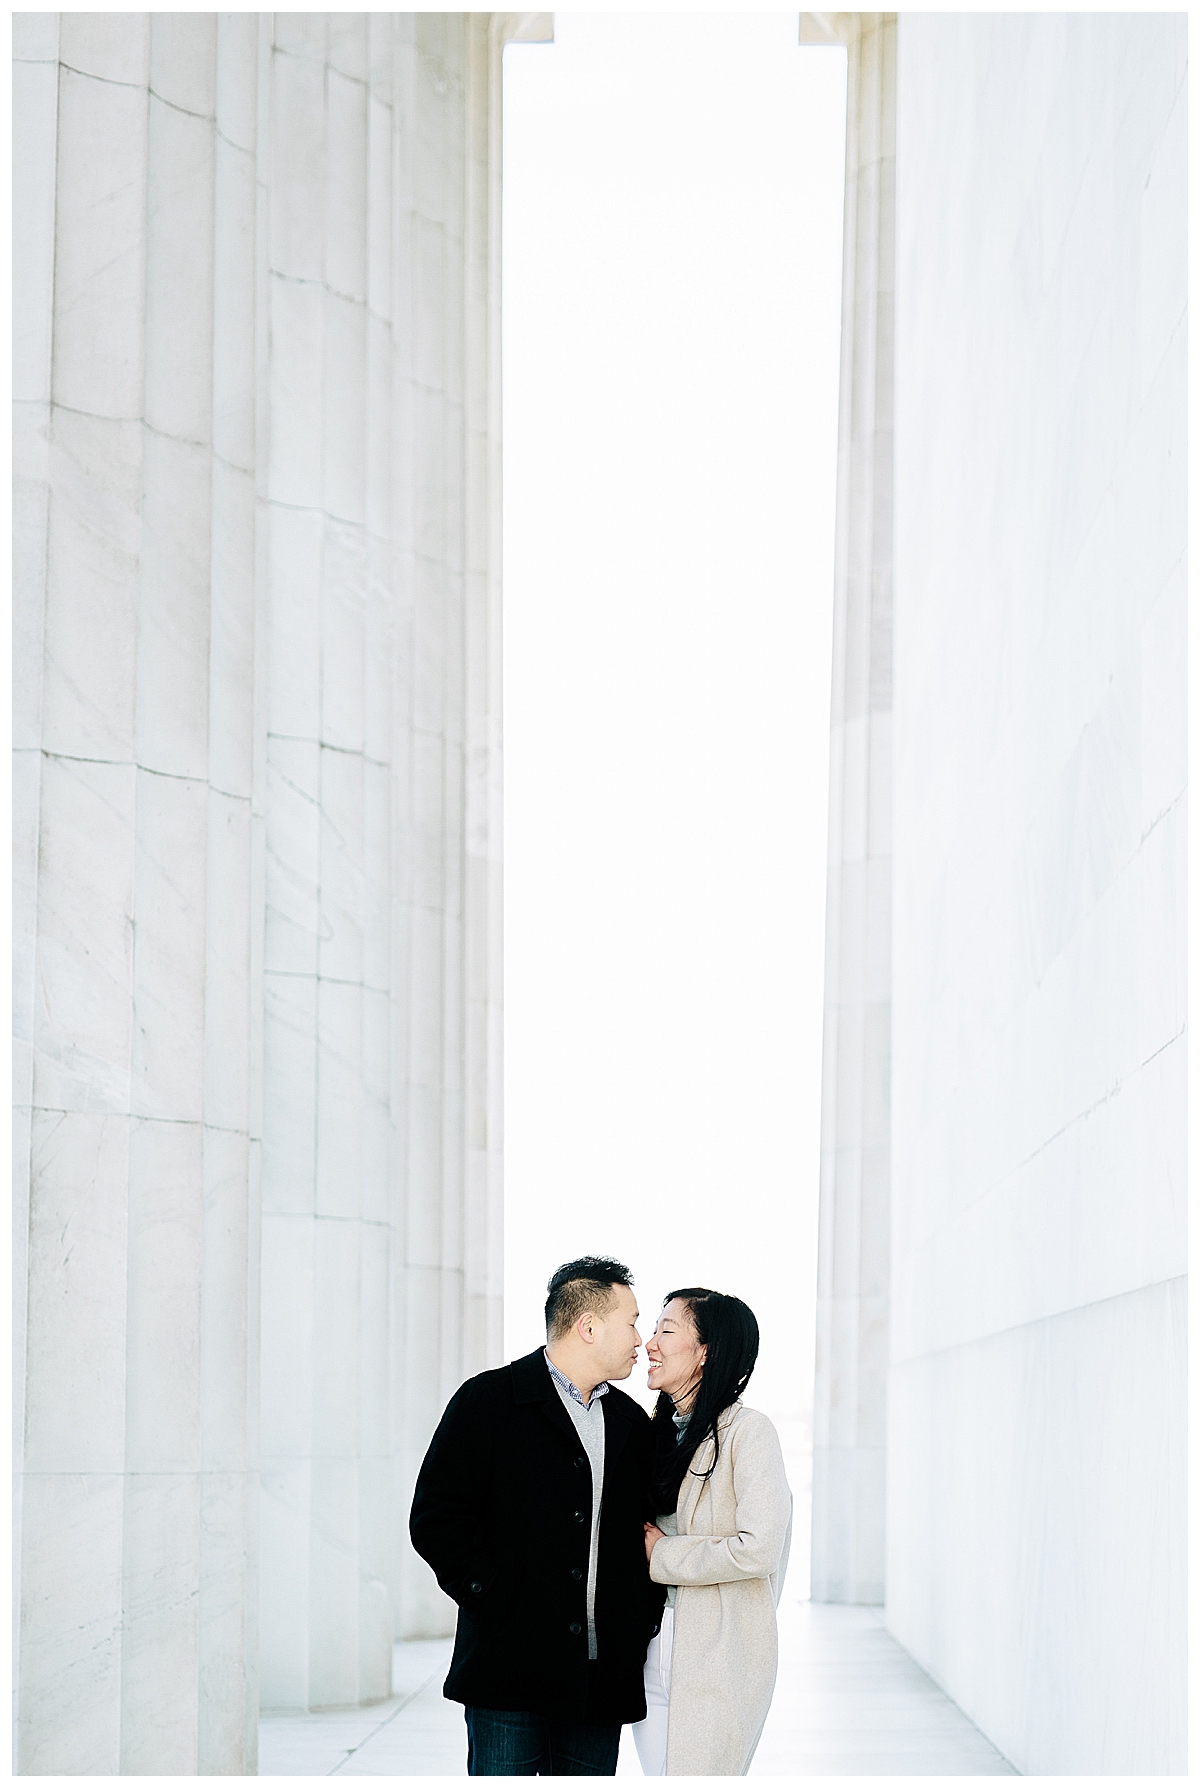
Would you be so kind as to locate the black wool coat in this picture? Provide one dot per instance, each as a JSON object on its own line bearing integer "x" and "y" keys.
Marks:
{"x": 503, "y": 1513}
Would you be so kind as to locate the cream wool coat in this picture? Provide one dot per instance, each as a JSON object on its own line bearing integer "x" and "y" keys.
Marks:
{"x": 729, "y": 1559}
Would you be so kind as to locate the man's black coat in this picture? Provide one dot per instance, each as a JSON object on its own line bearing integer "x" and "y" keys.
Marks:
{"x": 503, "y": 1513}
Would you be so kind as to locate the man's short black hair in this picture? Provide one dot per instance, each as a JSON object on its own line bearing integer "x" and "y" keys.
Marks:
{"x": 584, "y": 1284}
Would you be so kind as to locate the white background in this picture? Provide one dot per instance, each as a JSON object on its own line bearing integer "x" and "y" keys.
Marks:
{"x": 672, "y": 232}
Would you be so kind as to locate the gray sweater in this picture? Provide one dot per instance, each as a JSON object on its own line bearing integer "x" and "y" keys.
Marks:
{"x": 589, "y": 1425}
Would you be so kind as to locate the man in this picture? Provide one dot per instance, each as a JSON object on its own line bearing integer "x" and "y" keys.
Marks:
{"x": 529, "y": 1506}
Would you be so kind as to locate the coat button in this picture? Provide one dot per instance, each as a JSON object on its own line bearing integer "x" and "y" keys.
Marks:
{"x": 577, "y": 1574}
{"x": 579, "y": 1515}
{"x": 575, "y": 1627}
{"x": 477, "y": 1589}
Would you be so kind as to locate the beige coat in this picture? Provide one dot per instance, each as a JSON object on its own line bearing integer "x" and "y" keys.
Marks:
{"x": 735, "y": 1529}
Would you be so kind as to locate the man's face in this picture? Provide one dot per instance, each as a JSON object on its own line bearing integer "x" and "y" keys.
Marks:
{"x": 617, "y": 1340}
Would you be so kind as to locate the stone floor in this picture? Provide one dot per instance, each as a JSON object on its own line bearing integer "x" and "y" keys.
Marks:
{"x": 849, "y": 1701}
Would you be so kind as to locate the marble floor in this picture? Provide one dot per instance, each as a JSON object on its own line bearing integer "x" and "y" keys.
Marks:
{"x": 849, "y": 1702}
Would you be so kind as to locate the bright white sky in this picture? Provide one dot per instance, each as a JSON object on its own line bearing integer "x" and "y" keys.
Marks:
{"x": 672, "y": 267}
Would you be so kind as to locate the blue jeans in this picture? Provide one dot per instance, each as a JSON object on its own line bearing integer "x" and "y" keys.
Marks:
{"x": 529, "y": 1744}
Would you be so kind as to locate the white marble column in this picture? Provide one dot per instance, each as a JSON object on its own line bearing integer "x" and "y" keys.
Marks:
{"x": 381, "y": 1190}
{"x": 452, "y": 1256}
{"x": 850, "y": 1404}
{"x": 325, "y": 1178}
{"x": 257, "y": 826}
{"x": 137, "y": 975}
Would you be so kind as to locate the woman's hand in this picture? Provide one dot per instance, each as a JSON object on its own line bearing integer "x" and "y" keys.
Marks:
{"x": 653, "y": 1536}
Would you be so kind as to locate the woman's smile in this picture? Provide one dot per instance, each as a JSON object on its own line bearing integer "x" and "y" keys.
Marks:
{"x": 675, "y": 1353}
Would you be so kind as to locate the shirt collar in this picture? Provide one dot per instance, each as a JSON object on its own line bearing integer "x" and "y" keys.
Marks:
{"x": 568, "y": 1389}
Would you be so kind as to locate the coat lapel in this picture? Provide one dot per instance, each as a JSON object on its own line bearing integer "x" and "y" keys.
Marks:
{"x": 532, "y": 1383}
{"x": 616, "y": 1428}
{"x": 556, "y": 1415}
{"x": 695, "y": 1484}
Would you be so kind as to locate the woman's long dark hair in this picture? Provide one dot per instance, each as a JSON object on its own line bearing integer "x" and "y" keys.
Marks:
{"x": 727, "y": 1328}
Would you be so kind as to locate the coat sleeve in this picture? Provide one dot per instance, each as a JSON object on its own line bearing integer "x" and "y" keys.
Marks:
{"x": 764, "y": 1515}
{"x": 447, "y": 1519}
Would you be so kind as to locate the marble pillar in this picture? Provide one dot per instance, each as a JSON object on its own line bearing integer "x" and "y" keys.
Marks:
{"x": 257, "y": 852}
{"x": 850, "y": 1402}
{"x": 382, "y": 1237}
{"x": 1037, "y": 1546}
{"x": 139, "y": 836}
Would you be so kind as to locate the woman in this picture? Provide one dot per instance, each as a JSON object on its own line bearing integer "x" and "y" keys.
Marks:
{"x": 720, "y": 1543}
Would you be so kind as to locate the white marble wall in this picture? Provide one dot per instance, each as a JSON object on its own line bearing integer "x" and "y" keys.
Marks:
{"x": 1036, "y": 1561}
{"x": 257, "y": 850}
{"x": 850, "y": 1398}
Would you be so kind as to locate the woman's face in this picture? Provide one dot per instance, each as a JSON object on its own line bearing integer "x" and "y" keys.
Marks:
{"x": 675, "y": 1352}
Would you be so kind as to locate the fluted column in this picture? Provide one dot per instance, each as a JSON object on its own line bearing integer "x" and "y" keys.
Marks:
{"x": 258, "y": 876}
{"x": 452, "y": 1256}
{"x": 850, "y": 1405}
{"x": 325, "y": 1181}
{"x": 382, "y": 1238}
{"x": 137, "y": 982}
{"x": 448, "y": 1075}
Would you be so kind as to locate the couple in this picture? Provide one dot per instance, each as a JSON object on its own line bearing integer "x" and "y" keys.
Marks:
{"x": 609, "y": 1567}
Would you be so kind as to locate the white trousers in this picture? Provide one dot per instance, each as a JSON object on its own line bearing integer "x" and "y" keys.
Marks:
{"x": 650, "y": 1734}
